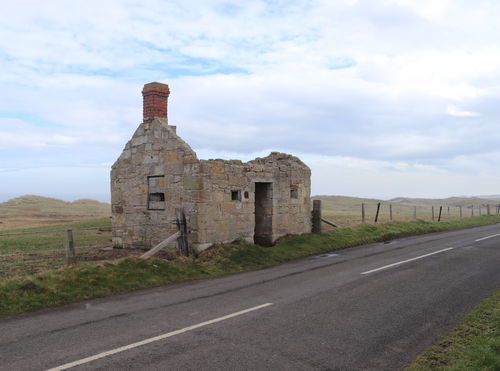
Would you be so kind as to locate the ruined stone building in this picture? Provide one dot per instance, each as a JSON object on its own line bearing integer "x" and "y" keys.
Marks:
{"x": 157, "y": 172}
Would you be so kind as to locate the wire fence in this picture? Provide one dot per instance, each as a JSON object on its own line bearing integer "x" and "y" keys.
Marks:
{"x": 382, "y": 212}
{"x": 31, "y": 252}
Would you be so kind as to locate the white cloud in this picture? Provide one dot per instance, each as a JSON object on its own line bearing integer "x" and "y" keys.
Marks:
{"x": 453, "y": 110}
{"x": 352, "y": 80}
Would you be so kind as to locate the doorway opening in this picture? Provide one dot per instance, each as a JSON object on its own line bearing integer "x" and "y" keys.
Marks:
{"x": 263, "y": 234}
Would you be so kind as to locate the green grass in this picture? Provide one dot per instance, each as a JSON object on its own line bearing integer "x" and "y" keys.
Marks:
{"x": 52, "y": 237}
{"x": 90, "y": 280}
{"x": 473, "y": 345}
{"x": 43, "y": 247}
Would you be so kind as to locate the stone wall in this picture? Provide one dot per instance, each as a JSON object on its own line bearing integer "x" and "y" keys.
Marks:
{"x": 157, "y": 172}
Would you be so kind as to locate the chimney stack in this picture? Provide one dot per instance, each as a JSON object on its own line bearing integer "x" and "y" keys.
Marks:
{"x": 155, "y": 97}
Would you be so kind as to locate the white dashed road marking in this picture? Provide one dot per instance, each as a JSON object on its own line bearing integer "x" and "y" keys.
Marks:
{"x": 406, "y": 261}
{"x": 156, "y": 338}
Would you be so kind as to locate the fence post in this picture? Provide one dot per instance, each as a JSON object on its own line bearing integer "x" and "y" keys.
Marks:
{"x": 479, "y": 210}
{"x": 448, "y": 211}
{"x": 488, "y": 209}
{"x": 362, "y": 212}
{"x": 414, "y": 212}
{"x": 390, "y": 212}
{"x": 70, "y": 249}
{"x": 316, "y": 216}
{"x": 440, "y": 210}
{"x": 378, "y": 210}
{"x": 433, "y": 213}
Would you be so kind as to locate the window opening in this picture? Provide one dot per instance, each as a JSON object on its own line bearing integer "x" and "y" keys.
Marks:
{"x": 156, "y": 192}
{"x": 235, "y": 195}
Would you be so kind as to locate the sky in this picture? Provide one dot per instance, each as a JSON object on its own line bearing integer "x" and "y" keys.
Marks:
{"x": 381, "y": 98}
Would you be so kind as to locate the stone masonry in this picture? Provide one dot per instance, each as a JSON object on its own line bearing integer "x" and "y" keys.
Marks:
{"x": 157, "y": 172}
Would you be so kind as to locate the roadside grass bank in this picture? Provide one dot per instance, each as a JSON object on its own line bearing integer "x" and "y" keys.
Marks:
{"x": 91, "y": 280}
{"x": 473, "y": 345}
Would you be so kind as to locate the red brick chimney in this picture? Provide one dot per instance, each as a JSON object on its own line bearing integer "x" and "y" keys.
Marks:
{"x": 155, "y": 97}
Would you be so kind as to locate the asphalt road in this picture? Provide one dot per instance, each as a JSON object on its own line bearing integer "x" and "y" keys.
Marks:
{"x": 373, "y": 307}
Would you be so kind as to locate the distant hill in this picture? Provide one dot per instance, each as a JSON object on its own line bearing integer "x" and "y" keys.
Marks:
{"x": 491, "y": 197}
{"x": 38, "y": 206}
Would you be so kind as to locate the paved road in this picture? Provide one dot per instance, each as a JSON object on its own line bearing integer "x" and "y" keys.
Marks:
{"x": 367, "y": 308}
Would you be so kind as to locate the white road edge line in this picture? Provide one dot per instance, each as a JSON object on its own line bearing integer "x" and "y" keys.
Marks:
{"x": 485, "y": 238}
{"x": 406, "y": 261}
{"x": 156, "y": 338}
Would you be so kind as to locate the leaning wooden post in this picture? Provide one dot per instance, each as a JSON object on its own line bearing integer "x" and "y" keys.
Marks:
{"x": 70, "y": 249}
{"x": 433, "y": 213}
{"x": 440, "y": 211}
{"x": 316, "y": 216}
{"x": 378, "y": 210}
{"x": 362, "y": 212}
{"x": 390, "y": 212}
{"x": 182, "y": 241}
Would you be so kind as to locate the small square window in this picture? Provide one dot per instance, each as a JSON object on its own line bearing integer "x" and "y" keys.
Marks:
{"x": 156, "y": 192}
{"x": 235, "y": 195}
{"x": 294, "y": 193}
{"x": 246, "y": 195}
{"x": 157, "y": 196}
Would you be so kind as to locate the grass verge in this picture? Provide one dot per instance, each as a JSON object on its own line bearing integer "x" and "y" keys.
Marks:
{"x": 91, "y": 280}
{"x": 473, "y": 345}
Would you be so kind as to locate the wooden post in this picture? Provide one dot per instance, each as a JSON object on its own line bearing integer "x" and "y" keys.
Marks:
{"x": 390, "y": 211}
{"x": 460, "y": 207}
{"x": 316, "y": 216}
{"x": 362, "y": 212}
{"x": 440, "y": 210}
{"x": 479, "y": 210}
{"x": 70, "y": 249}
{"x": 488, "y": 210}
{"x": 472, "y": 210}
{"x": 378, "y": 210}
{"x": 182, "y": 241}
{"x": 448, "y": 211}
{"x": 414, "y": 212}
{"x": 433, "y": 213}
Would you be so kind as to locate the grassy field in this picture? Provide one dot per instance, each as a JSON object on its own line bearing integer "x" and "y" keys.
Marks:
{"x": 346, "y": 211}
{"x": 33, "y": 250}
{"x": 473, "y": 345}
{"x": 89, "y": 280}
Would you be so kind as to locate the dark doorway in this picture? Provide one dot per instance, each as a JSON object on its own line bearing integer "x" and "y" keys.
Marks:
{"x": 263, "y": 214}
